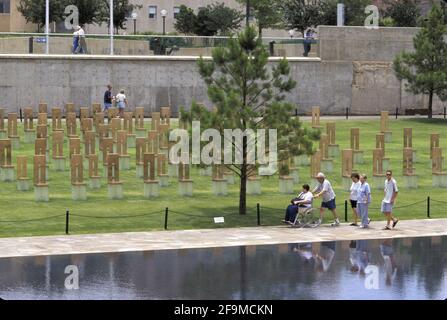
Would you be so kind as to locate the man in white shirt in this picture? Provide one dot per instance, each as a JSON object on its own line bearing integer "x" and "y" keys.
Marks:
{"x": 390, "y": 194}
{"x": 324, "y": 190}
{"x": 82, "y": 48}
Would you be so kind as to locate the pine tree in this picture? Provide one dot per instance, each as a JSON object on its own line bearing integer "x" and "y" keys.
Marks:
{"x": 250, "y": 94}
{"x": 425, "y": 69}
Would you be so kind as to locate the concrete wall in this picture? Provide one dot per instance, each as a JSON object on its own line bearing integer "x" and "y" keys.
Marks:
{"x": 150, "y": 82}
{"x": 371, "y": 53}
{"x": 62, "y": 45}
{"x": 361, "y": 44}
{"x": 350, "y": 76}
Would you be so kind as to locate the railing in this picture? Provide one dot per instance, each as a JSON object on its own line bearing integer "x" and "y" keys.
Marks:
{"x": 142, "y": 45}
{"x": 425, "y": 206}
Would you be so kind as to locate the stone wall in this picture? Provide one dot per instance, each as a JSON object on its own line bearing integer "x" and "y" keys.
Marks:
{"x": 150, "y": 82}
{"x": 63, "y": 45}
{"x": 355, "y": 71}
{"x": 371, "y": 52}
{"x": 361, "y": 44}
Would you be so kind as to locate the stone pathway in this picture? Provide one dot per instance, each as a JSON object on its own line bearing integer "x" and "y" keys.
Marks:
{"x": 164, "y": 240}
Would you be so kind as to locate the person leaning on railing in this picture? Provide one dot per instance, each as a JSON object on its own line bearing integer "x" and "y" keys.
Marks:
{"x": 307, "y": 42}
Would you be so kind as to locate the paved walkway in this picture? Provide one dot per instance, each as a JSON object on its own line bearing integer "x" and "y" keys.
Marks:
{"x": 163, "y": 240}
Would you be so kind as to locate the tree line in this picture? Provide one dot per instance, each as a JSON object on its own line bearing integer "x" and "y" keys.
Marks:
{"x": 90, "y": 11}
{"x": 218, "y": 19}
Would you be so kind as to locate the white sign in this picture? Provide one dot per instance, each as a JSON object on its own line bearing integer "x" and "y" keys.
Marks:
{"x": 219, "y": 220}
{"x": 372, "y": 21}
{"x": 72, "y": 280}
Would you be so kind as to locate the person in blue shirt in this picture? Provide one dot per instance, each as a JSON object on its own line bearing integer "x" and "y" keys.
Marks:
{"x": 363, "y": 201}
{"x": 307, "y": 42}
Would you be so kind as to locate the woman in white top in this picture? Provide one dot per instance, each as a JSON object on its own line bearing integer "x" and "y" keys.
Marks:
{"x": 121, "y": 102}
{"x": 353, "y": 197}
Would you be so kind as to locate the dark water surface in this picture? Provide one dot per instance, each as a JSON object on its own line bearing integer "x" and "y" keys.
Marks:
{"x": 409, "y": 268}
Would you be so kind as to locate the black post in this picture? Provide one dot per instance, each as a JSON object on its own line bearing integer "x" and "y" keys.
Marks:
{"x": 21, "y": 117}
{"x": 346, "y": 210}
{"x": 397, "y": 112}
{"x": 166, "y": 218}
{"x": 67, "y": 222}
{"x": 445, "y": 112}
{"x": 247, "y": 14}
{"x": 258, "y": 212}
{"x": 296, "y": 112}
{"x": 31, "y": 45}
{"x": 428, "y": 207}
{"x": 347, "y": 113}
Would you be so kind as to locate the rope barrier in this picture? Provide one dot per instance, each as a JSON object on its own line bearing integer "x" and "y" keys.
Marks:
{"x": 224, "y": 214}
{"x": 439, "y": 201}
{"x": 32, "y": 220}
{"x": 115, "y": 217}
{"x": 268, "y": 208}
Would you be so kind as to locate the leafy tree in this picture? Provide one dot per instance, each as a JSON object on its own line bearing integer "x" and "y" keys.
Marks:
{"x": 301, "y": 14}
{"x": 268, "y": 13}
{"x": 217, "y": 19}
{"x": 425, "y": 69}
{"x": 248, "y": 94}
{"x": 34, "y": 11}
{"x": 405, "y": 13}
{"x": 209, "y": 21}
{"x": 121, "y": 10}
{"x": 354, "y": 12}
{"x": 90, "y": 11}
{"x": 185, "y": 20}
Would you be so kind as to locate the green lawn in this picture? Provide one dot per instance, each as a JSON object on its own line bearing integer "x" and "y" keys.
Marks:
{"x": 198, "y": 211}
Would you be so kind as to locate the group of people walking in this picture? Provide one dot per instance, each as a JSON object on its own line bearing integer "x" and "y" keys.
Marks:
{"x": 359, "y": 196}
{"x": 120, "y": 100}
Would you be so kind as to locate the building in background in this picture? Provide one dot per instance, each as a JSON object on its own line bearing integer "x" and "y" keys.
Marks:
{"x": 11, "y": 20}
{"x": 148, "y": 17}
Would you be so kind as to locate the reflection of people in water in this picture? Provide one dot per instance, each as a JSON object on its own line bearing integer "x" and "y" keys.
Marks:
{"x": 359, "y": 256}
{"x": 323, "y": 259}
{"x": 387, "y": 251}
{"x": 304, "y": 250}
{"x": 363, "y": 255}
{"x": 353, "y": 256}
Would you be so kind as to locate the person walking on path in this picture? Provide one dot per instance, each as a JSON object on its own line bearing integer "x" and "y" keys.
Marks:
{"x": 82, "y": 46}
{"x": 108, "y": 99}
{"x": 353, "y": 195}
{"x": 325, "y": 191}
{"x": 121, "y": 102}
{"x": 364, "y": 200}
{"x": 390, "y": 195}
{"x": 74, "y": 50}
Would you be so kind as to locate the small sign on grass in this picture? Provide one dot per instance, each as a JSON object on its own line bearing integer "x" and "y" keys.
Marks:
{"x": 219, "y": 220}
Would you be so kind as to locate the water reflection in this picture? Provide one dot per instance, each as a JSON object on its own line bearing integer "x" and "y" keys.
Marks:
{"x": 401, "y": 268}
